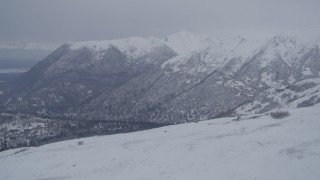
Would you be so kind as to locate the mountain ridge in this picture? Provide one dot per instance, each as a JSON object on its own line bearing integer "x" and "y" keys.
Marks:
{"x": 146, "y": 80}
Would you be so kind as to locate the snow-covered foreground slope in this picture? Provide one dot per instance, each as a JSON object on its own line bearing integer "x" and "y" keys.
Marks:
{"x": 253, "y": 148}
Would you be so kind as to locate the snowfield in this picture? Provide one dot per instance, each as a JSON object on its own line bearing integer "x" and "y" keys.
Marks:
{"x": 254, "y": 148}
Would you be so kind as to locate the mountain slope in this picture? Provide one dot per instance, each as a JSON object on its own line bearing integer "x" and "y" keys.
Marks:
{"x": 185, "y": 88}
{"x": 185, "y": 77}
{"x": 299, "y": 94}
{"x": 253, "y": 148}
{"x": 76, "y": 72}
{"x": 286, "y": 69}
{"x": 282, "y": 61}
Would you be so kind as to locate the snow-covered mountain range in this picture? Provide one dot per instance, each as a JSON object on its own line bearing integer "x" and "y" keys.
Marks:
{"x": 184, "y": 77}
{"x": 216, "y": 79}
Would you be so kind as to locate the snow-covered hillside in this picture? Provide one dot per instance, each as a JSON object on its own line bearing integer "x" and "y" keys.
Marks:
{"x": 256, "y": 147}
{"x": 300, "y": 94}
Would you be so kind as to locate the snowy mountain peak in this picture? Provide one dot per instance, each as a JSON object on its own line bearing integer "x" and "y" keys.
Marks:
{"x": 286, "y": 47}
{"x": 184, "y": 42}
{"x": 134, "y": 41}
{"x": 237, "y": 45}
{"x": 283, "y": 38}
{"x": 134, "y": 47}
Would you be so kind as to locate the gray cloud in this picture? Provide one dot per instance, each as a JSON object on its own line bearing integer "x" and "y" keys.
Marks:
{"x": 79, "y": 20}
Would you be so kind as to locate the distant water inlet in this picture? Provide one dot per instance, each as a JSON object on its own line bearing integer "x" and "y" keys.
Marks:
{"x": 10, "y": 74}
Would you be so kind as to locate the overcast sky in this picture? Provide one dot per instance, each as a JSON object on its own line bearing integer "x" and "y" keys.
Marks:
{"x": 80, "y": 20}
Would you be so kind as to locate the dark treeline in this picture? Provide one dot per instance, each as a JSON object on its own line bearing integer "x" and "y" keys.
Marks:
{"x": 38, "y": 131}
